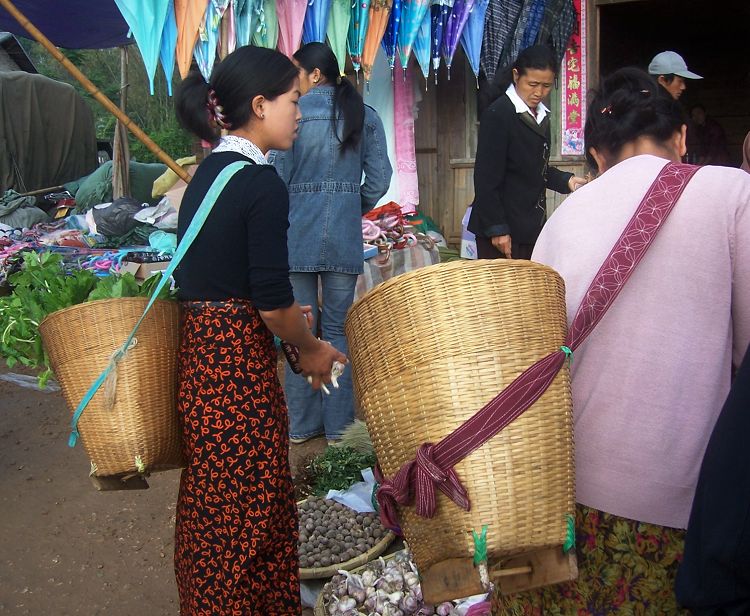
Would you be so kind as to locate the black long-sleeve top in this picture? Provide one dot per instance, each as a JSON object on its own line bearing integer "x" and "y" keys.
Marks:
{"x": 511, "y": 174}
{"x": 241, "y": 251}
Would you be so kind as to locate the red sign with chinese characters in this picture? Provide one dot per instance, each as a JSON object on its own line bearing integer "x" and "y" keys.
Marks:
{"x": 573, "y": 90}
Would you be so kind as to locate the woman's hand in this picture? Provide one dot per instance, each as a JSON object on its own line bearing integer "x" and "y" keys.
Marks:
{"x": 575, "y": 182}
{"x": 317, "y": 362}
{"x": 502, "y": 243}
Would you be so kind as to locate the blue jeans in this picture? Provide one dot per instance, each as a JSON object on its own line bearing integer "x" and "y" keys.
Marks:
{"x": 312, "y": 412}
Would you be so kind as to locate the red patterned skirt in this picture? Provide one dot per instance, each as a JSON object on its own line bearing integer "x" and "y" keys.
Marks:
{"x": 236, "y": 524}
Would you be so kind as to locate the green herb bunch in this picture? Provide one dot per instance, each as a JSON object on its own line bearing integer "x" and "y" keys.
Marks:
{"x": 338, "y": 468}
{"x": 42, "y": 287}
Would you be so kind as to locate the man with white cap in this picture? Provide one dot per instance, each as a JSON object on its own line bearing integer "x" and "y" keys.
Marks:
{"x": 671, "y": 71}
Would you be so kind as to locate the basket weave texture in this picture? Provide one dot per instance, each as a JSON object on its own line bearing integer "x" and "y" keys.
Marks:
{"x": 143, "y": 422}
{"x": 430, "y": 348}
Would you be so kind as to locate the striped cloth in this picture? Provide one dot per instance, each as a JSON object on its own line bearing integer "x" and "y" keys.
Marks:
{"x": 499, "y": 25}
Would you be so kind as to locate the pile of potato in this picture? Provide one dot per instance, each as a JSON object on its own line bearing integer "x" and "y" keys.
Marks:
{"x": 330, "y": 533}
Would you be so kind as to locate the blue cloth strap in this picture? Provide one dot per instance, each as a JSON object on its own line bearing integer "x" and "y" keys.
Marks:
{"x": 193, "y": 229}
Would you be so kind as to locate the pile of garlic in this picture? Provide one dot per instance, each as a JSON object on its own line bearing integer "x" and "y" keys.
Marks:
{"x": 382, "y": 588}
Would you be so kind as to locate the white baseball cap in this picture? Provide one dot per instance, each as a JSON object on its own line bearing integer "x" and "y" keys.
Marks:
{"x": 670, "y": 63}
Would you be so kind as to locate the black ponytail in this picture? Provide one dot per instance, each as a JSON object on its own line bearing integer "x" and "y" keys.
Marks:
{"x": 347, "y": 102}
{"x": 630, "y": 104}
{"x": 224, "y": 102}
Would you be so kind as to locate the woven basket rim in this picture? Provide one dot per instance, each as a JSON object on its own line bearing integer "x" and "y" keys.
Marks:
{"x": 102, "y": 301}
{"x": 312, "y": 573}
{"x": 462, "y": 263}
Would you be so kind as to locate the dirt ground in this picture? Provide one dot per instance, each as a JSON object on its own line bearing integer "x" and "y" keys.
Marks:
{"x": 66, "y": 547}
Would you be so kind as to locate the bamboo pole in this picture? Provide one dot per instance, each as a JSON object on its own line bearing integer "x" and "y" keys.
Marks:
{"x": 94, "y": 91}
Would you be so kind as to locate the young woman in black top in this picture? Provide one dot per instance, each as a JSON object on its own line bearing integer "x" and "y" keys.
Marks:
{"x": 511, "y": 171}
{"x": 236, "y": 521}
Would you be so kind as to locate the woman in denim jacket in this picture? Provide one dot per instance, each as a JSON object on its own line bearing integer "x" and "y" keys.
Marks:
{"x": 340, "y": 140}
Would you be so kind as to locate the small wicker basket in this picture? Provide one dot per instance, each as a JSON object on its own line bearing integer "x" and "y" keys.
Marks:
{"x": 141, "y": 432}
{"x": 428, "y": 349}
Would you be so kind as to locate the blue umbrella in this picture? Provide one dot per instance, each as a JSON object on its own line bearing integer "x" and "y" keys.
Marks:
{"x": 412, "y": 16}
{"x": 357, "y": 32}
{"x": 534, "y": 24}
{"x": 168, "y": 46}
{"x": 471, "y": 37}
{"x": 423, "y": 45}
{"x": 146, "y": 20}
{"x": 208, "y": 40}
{"x": 390, "y": 37}
{"x": 440, "y": 12}
{"x": 316, "y": 21}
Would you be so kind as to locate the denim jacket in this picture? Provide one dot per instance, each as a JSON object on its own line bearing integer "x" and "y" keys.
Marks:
{"x": 327, "y": 196}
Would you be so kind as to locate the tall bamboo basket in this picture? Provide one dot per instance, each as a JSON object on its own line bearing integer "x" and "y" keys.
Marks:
{"x": 140, "y": 433}
{"x": 428, "y": 349}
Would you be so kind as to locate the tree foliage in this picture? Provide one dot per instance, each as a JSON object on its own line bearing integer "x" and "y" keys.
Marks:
{"x": 154, "y": 114}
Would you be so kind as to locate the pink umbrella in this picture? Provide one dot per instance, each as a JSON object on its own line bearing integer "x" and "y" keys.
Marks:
{"x": 291, "y": 15}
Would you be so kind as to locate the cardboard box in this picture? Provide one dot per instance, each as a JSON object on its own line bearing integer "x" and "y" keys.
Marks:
{"x": 143, "y": 271}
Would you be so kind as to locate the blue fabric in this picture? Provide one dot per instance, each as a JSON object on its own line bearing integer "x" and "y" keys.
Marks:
{"x": 312, "y": 412}
{"x": 73, "y": 24}
{"x": 326, "y": 201}
{"x": 168, "y": 46}
{"x": 316, "y": 21}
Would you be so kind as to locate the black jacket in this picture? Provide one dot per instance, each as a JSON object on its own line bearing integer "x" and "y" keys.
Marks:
{"x": 714, "y": 578}
{"x": 511, "y": 174}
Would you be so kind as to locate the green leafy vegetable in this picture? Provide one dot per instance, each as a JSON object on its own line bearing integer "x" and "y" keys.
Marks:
{"x": 43, "y": 287}
{"x": 338, "y": 468}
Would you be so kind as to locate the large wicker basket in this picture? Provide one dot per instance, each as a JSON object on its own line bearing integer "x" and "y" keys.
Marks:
{"x": 429, "y": 348}
{"x": 141, "y": 432}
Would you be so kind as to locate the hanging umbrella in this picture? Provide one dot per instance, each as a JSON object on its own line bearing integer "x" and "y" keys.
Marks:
{"x": 316, "y": 21}
{"x": 513, "y": 46}
{"x": 338, "y": 28}
{"x": 534, "y": 24}
{"x": 440, "y": 12}
{"x": 291, "y": 15}
{"x": 357, "y": 32}
{"x": 453, "y": 29}
{"x": 208, "y": 40}
{"x": 412, "y": 16}
{"x": 380, "y": 11}
{"x": 390, "y": 37}
{"x": 422, "y": 45}
{"x": 471, "y": 37}
{"x": 267, "y": 30}
{"x": 168, "y": 45}
{"x": 146, "y": 20}
{"x": 228, "y": 31}
{"x": 499, "y": 24}
{"x": 189, "y": 15}
{"x": 245, "y": 20}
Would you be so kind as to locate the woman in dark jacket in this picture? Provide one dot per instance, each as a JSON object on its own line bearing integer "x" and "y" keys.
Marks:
{"x": 511, "y": 172}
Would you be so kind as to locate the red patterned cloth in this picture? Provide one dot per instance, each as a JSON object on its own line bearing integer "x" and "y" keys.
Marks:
{"x": 236, "y": 528}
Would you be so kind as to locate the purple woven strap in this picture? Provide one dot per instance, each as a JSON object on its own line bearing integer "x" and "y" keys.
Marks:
{"x": 418, "y": 479}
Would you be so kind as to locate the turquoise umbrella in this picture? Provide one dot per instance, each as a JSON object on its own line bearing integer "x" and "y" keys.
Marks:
{"x": 412, "y": 16}
{"x": 146, "y": 20}
{"x": 246, "y": 20}
{"x": 267, "y": 28}
{"x": 423, "y": 45}
{"x": 168, "y": 46}
{"x": 471, "y": 37}
{"x": 357, "y": 32}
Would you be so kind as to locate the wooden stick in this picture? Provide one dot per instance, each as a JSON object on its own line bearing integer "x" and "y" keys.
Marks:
{"x": 496, "y": 573}
{"x": 43, "y": 191}
{"x": 94, "y": 91}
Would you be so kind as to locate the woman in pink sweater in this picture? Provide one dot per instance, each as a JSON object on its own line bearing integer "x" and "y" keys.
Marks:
{"x": 650, "y": 380}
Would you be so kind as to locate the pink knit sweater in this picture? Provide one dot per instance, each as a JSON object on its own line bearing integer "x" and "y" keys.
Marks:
{"x": 650, "y": 380}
